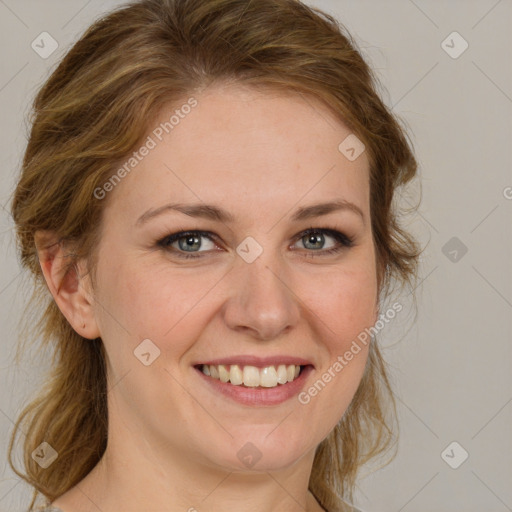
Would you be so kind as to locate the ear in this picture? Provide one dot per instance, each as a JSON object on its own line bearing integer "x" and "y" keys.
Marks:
{"x": 69, "y": 284}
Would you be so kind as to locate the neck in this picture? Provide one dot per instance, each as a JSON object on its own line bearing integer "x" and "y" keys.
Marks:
{"x": 135, "y": 474}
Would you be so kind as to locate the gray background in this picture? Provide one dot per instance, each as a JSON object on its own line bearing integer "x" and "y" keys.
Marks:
{"x": 451, "y": 367}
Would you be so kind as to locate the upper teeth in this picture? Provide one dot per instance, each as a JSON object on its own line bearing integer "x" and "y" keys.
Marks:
{"x": 251, "y": 376}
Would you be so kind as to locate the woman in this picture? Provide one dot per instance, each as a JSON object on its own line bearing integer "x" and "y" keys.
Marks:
{"x": 206, "y": 198}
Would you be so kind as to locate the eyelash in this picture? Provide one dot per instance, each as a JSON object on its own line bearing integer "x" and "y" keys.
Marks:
{"x": 344, "y": 241}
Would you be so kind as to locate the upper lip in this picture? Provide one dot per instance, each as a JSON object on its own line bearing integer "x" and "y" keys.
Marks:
{"x": 260, "y": 362}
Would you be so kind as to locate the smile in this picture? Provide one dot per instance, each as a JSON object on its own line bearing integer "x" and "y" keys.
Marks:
{"x": 255, "y": 386}
{"x": 252, "y": 376}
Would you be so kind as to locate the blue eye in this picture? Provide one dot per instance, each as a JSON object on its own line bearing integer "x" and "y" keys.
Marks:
{"x": 190, "y": 242}
{"x": 318, "y": 236}
{"x": 187, "y": 241}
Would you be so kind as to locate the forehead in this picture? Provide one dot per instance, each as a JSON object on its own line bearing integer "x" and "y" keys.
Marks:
{"x": 248, "y": 148}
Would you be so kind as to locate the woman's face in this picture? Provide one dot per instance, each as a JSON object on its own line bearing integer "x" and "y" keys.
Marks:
{"x": 255, "y": 286}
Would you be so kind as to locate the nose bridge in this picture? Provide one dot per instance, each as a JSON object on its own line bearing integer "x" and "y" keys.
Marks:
{"x": 260, "y": 297}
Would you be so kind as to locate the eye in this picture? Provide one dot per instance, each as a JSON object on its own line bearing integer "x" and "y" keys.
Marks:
{"x": 191, "y": 241}
{"x": 188, "y": 241}
{"x": 313, "y": 237}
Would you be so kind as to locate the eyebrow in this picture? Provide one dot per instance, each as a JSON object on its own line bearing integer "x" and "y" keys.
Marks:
{"x": 216, "y": 213}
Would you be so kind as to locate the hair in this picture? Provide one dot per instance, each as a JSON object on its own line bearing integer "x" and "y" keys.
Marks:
{"x": 91, "y": 112}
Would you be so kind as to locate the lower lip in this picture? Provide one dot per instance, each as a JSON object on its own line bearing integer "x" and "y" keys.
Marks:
{"x": 259, "y": 396}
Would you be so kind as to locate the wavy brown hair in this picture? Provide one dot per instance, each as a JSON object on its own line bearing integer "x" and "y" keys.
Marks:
{"x": 92, "y": 112}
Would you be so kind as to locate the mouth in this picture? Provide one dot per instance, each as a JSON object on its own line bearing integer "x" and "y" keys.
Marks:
{"x": 255, "y": 386}
{"x": 248, "y": 376}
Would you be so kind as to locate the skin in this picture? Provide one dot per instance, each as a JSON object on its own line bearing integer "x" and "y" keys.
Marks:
{"x": 173, "y": 441}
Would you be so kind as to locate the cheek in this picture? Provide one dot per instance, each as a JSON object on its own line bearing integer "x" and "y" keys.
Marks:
{"x": 129, "y": 307}
{"x": 168, "y": 306}
{"x": 345, "y": 309}
{"x": 346, "y": 304}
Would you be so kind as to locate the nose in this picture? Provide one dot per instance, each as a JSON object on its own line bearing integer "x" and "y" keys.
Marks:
{"x": 262, "y": 300}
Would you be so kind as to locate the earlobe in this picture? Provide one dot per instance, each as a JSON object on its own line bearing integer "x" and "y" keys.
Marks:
{"x": 69, "y": 288}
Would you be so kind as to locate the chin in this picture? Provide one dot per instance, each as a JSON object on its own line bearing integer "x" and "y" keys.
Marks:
{"x": 261, "y": 451}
